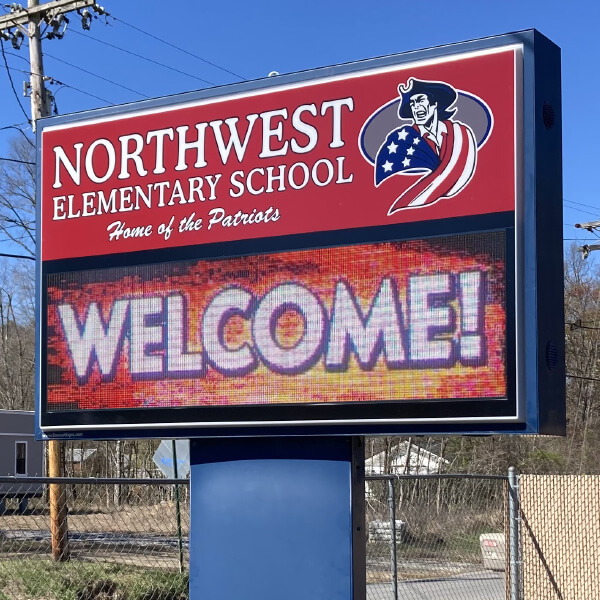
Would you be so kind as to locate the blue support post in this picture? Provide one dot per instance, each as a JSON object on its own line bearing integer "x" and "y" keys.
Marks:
{"x": 275, "y": 518}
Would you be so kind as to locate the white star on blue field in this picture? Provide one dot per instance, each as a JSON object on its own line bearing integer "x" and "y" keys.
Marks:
{"x": 402, "y": 152}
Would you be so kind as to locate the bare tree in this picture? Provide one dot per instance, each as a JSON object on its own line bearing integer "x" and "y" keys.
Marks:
{"x": 17, "y": 298}
{"x": 17, "y": 194}
{"x": 17, "y": 345}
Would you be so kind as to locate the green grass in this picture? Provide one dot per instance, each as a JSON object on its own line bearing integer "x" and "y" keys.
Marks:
{"x": 46, "y": 580}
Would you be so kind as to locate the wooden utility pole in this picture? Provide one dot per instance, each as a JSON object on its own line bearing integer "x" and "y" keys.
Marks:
{"x": 59, "y": 527}
{"x": 27, "y": 21}
{"x": 39, "y": 98}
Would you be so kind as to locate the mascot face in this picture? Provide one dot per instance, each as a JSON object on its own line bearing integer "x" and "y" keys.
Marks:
{"x": 422, "y": 109}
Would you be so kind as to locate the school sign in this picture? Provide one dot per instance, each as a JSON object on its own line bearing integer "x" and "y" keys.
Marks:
{"x": 368, "y": 248}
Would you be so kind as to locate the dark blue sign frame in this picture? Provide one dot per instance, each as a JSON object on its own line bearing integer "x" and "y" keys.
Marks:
{"x": 536, "y": 400}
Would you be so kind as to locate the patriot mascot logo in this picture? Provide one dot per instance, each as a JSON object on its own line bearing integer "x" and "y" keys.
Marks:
{"x": 440, "y": 132}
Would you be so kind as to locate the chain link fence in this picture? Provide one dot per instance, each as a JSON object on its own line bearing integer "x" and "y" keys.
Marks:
{"x": 128, "y": 539}
{"x": 117, "y": 540}
{"x": 428, "y": 536}
{"x": 559, "y": 519}
{"x": 449, "y": 535}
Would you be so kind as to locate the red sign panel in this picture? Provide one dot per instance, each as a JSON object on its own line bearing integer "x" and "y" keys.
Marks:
{"x": 415, "y": 320}
{"x": 396, "y": 144}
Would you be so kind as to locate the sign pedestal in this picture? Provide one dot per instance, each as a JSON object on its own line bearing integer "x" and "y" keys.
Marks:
{"x": 275, "y": 518}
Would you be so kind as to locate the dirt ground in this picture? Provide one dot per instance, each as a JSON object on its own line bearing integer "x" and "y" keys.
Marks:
{"x": 156, "y": 519}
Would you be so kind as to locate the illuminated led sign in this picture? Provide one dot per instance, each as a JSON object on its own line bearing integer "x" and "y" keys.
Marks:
{"x": 346, "y": 250}
{"x": 378, "y": 322}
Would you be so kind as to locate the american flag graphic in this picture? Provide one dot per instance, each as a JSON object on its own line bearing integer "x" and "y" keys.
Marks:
{"x": 406, "y": 152}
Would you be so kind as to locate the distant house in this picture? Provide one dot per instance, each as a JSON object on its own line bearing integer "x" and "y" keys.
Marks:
{"x": 20, "y": 454}
{"x": 405, "y": 459}
{"x": 76, "y": 458}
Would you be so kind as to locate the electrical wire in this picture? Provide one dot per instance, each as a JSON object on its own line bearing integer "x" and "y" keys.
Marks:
{"x": 10, "y": 226}
{"x": 83, "y": 92}
{"x": 19, "y": 240}
{"x": 95, "y": 75}
{"x": 150, "y": 60}
{"x": 580, "y": 210}
{"x": 581, "y": 204}
{"x": 204, "y": 60}
{"x": 13, "y": 238}
{"x": 17, "y": 256}
{"x": 12, "y": 85}
{"x": 54, "y": 80}
{"x": 579, "y": 325}
{"x": 17, "y": 128}
{"x": 17, "y": 56}
{"x": 581, "y": 377}
{"x": 16, "y": 160}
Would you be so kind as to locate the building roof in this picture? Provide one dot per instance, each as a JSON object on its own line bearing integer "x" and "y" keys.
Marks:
{"x": 405, "y": 459}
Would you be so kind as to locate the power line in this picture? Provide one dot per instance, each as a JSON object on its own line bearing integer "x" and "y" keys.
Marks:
{"x": 95, "y": 75}
{"x": 82, "y": 91}
{"x": 204, "y": 60}
{"x": 579, "y": 325}
{"x": 581, "y": 377}
{"x": 17, "y": 256}
{"x": 580, "y": 210}
{"x": 16, "y": 239}
{"x": 581, "y": 204}
{"x": 17, "y": 128}
{"x": 12, "y": 85}
{"x": 17, "y": 55}
{"x": 53, "y": 80}
{"x": 150, "y": 60}
{"x": 16, "y": 160}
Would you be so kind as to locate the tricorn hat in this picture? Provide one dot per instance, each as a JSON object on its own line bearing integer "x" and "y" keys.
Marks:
{"x": 440, "y": 93}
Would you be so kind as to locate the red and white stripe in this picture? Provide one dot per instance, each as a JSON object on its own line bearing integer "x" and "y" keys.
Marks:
{"x": 457, "y": 165}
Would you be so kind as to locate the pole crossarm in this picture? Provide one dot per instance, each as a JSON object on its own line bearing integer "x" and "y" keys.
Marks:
{"x": 588, "y": 248}
{"x": 42, "y": 11}
{"x": 589, "y": 226}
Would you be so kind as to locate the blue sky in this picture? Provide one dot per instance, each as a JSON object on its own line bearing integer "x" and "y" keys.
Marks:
{"x": 246, "y": 40}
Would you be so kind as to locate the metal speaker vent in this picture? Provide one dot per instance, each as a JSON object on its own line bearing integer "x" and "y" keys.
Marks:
{"x": 551, "y": 355}
{"x": 548, "y": 115}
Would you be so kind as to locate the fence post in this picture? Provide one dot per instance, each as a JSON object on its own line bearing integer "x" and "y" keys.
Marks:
{"x": 177, "y": 508}
{"x": 59, "y": 528}
{"x": 392, "y": 507}
{"x": 513, "y": 533}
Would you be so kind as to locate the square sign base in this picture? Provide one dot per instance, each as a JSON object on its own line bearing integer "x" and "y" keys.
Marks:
{"x": 275, "y": 518}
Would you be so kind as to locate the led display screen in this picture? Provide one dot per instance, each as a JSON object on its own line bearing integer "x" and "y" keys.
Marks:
{"x": 411, "y": 320}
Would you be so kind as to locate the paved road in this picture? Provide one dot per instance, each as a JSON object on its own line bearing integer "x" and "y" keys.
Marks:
{"x": 484, "y": 585}
{"x": 105, "y": 538}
